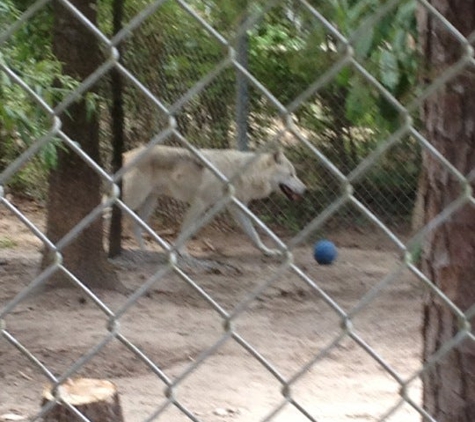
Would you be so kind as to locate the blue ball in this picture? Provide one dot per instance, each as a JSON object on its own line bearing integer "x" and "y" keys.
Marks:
{"x": 324, "y": 252}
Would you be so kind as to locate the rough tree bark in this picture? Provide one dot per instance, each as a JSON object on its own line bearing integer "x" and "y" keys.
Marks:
{"x": 74, "y": 188}
{"x": 449, "y": 251}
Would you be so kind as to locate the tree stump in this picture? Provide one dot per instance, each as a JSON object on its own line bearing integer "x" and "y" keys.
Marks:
{"x": 97, "y": 400}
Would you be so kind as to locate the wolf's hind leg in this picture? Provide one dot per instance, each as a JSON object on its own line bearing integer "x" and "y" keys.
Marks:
{"x": 144, "y": 212}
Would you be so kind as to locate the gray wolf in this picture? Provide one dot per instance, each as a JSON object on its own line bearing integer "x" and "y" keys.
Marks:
{"x": 178, "y": 173}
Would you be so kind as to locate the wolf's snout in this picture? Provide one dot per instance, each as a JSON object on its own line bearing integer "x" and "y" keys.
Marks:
{"x": 292, "y": 194}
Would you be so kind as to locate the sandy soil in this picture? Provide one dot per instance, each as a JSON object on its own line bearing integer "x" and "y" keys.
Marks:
{"x": 291, "y": 325}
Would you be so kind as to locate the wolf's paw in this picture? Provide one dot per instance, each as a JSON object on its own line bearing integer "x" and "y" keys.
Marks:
{"x": 270, "y": 252}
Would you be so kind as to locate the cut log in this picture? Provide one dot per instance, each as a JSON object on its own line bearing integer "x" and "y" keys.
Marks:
{"x": 97, "y": 400}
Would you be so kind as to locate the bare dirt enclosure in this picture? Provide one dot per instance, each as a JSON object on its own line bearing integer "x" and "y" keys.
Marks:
{"x": 289, "y": 324}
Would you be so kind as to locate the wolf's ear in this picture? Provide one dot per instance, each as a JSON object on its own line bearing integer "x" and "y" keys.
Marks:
{"x": 278, "y": 156}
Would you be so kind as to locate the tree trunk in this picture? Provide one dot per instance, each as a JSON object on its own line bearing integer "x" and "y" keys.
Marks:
{"x": 97, "y": 400}
{"x": 449, "y": 250}
{"x": 74, "y": 188}
{"x": 242, "y": 86}
{"x": 117, "y": 125}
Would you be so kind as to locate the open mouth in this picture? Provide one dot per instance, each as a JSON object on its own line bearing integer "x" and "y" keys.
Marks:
{"x": 289, "y": 193}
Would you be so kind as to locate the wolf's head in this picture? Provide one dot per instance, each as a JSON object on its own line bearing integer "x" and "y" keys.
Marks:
{"x": 284, "y": 177}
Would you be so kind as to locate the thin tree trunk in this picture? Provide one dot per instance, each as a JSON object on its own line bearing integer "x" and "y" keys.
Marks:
{"x": 74, "y": 188}
{"x": 449, "y": 251}
{"x": 117, "y": 114}
{"x": 242, "y": 87}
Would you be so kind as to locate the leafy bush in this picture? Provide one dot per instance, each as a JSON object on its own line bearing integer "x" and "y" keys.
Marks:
{"x": 28, "y": 57}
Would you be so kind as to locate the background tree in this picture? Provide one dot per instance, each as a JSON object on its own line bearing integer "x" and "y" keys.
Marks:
{"x": 448, "y": 257}
{"x": 74, "y": 188}
{"x": 117, "y": 130}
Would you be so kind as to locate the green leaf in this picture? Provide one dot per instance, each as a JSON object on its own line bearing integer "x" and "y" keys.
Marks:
{"x": 406, "y": 14}
{"x": 49, "y": 154}
{"x": 389, "y": 69}
{"x": 364, "y": 43}
{"x": 343, "y": 77}
{"x": 358, "y": 102}
{"x": 91, "y": 105}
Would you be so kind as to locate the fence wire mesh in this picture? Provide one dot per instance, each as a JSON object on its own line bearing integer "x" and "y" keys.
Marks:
{"x": 348, "y": 120}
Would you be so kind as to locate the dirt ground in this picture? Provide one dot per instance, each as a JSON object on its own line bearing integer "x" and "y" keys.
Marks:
{"x": 289, "y": 324}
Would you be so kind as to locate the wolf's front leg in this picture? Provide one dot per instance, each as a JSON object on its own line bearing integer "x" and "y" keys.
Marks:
{"x": 246, "y": 224}
{"x": 190, "y": 225}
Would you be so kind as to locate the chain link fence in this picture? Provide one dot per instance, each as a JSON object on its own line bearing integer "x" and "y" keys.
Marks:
{"x": 349, "y": 121}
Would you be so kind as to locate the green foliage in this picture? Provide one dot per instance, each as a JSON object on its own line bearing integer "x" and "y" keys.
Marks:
{"x": 290, "y": 53}
{"x": 28, "y": 54}
{"x": 274, "y": 46}
{"x": 23, "y": 120}
{"x": 169, "y": 54}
